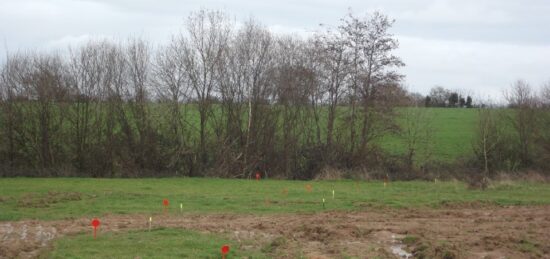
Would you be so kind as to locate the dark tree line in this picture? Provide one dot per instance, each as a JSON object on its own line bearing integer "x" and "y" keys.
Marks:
{"x": 442, "y": 97}
{"x": 217, "y": 99}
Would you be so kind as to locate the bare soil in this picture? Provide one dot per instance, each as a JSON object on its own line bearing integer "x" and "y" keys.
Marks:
{"x": 469, "y": 231}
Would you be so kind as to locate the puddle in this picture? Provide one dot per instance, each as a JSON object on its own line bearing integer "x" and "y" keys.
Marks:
{"x": 397, "y": 249}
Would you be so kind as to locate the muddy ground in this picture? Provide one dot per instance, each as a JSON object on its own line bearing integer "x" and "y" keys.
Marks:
{"x": 463, "y": 231}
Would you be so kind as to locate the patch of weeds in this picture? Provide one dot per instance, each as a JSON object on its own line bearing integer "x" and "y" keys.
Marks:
{"x": 526, "y": 246}
{"x": 4, "y": 198}
{"x": 420, "y": 251}
{"x": 36, "y": 200}
{"x": 273, "y": 245}
{"x": 445, "y": 251}
{"x": 361, "y": 232}
{"x": 409, "y": 240}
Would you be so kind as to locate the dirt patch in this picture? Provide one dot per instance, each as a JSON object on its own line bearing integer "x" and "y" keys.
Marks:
{"x": 34, "y": 200}
{"x": 468, "y": 205}
{"x": 489, "y": 232}
{"x": 4, "y": 198}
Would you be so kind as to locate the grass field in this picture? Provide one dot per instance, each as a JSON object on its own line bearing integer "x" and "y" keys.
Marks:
{"x": 452, "y": 133}
{"x": 452, "y": 130}
{"x": 65, "y": 198}
{"x": 156, "y": 243}
{"x": 74, "y": 199}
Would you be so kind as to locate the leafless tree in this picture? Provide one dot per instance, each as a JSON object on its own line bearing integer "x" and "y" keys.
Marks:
{"x": 543, "y": 136}
{"x": 86, "y": 68}
{"x": 372, "y": 63}
{"x": 255, "y": 54}
{"x": 12, "y": 80}
{"x": 488, "y": 139}
{"x": 208, "y": 35}
{"x": 43, "y": 80}
{"x": 523, "y": 118}
{"x": 173, "y": 89}
{"x": 334, "y": 71}
{"x": 417, "y": 132}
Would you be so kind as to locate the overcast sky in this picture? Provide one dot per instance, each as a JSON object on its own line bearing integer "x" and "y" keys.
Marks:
{"x": 481, "y": 46}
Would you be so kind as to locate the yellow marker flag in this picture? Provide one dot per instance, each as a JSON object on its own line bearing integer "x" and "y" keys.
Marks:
{"x": 332, "y": 194}
{"x": 181, "y": 207}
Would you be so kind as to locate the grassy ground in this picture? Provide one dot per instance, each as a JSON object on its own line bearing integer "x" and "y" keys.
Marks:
{"x": 61, "y": 198}
{"x": 157, "y": 243}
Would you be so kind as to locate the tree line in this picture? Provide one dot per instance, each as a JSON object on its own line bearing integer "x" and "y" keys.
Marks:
{"x": 515, "y": 137}
{"x": 442, "y": 97}
{"x": 228, "y": 100}
{"x": 217, "y": 99}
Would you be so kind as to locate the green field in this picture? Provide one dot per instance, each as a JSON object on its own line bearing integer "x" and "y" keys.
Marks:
{"x": 62, "y": 198}
{"x": 157, "y": 243}
{"x": 452, "y": 133}
{"x": 452, "y": 130}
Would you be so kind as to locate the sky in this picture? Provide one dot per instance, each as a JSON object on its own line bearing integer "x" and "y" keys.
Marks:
{"x": 479, "y": 47}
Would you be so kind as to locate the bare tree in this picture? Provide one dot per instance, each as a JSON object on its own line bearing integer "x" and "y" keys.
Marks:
{"x": 116, "y": 123}
{"x": 138, "y": 55}
{"x": 488, "y": 140}
{"x": 209, "y": 33}
{"x": 12, "y": 81}
{"x": 543, "y": 136}
{"x": 371, "y": 46}
{"x": 334, "y": 71}
{"x": 523, "y": 118}
{"x": 417, "y": 132}
{"x": 290, "y": 79}
{"x": 254, "y": 48}
{"x": 172, "y": 87}
{"x": 45, "y": 83}
{"x": 87, "y": 72}
{"x": 439, "y": 96}
{"x": 546, "y": 93}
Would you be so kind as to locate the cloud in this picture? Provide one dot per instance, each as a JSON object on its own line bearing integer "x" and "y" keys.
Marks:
{"x": 479, "y": 45}
{"x": 479, "y": 67}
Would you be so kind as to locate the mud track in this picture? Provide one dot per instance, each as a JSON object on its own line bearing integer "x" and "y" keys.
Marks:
{"x": 454, "y": 232}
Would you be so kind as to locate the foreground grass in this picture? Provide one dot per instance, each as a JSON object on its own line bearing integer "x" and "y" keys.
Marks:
{"x": 158, "y": 243}
{"x": 61, "y": 198}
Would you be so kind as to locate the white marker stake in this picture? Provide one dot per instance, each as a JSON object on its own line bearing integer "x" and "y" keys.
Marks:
{"x": 150, "y": 221}
{"x": 323, "y": 203}
{"x": 181, "y": 207}
{"x": 333, "y": 194}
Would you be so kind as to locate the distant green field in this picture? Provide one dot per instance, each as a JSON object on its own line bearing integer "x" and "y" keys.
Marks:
{"x": 453, "y": 133}
{"x": 60, "y": 198}
{"x": 453, "y": 130}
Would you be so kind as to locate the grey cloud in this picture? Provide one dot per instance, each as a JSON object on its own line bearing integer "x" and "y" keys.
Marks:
{"x": 478, "y": 45}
